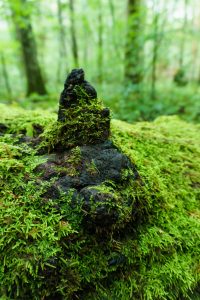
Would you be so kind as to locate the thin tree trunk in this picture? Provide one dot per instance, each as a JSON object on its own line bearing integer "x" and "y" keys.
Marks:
{"x": 87, "y": 33}
{"x": 86, "y": 40}
{"x": 41, "y": 38}
{"x": 182, "y": 46}
{"x": 62, "y": 60}
{"x": 112, "y": 11}
{"x": 6, "y": 76}
{"x": 133, "y": 49}
{"x": 195, "y": 46}
{"x": 155, "y": 56}
{"x": 21, "y": 17}
{"x": 73, "y": 34}
{"x": 114, "y": 40}
{"x": 100, "y": 43}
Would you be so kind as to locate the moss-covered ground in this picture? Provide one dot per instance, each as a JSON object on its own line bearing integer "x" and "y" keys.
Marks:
{"x": 46, "y": 253}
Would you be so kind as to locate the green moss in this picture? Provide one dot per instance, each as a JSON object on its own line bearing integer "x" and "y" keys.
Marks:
{"x": 151, "y": 253}
{"x": 91, "y": 168}
{"x": 73, "y": 161}
{"x": 84, "y": 124}
{"x": 21, "y": 121}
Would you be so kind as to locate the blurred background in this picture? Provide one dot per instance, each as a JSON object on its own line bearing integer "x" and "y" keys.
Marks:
{"x": 142, "y": 56}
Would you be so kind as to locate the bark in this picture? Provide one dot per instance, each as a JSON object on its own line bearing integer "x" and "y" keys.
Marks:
{"x": 133, "y": 47}
{"x": 73, "y": 34}
{"x": 21, "y": 17}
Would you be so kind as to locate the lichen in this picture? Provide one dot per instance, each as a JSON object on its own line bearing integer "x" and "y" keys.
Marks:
{"x": 151, "y": 253}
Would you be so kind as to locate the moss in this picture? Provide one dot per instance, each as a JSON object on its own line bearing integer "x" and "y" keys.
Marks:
{"x": 73, "y": 161}
{"x": 152, "y": 253}
{"x": 91, "y": 168}
{"x": 84, "y": 124}
{"x": 19, "y": 121}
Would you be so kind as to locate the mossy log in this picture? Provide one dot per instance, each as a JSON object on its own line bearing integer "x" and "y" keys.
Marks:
{"x": 54, "y": 242}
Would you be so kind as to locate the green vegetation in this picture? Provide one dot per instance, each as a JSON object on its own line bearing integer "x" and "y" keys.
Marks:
{"x": 83, "y": 124}
{"x": 152, "y": 253}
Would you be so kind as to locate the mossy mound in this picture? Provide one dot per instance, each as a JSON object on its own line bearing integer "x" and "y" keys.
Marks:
{"x": 48, "y": 253}
{"x": 85, "y": 123}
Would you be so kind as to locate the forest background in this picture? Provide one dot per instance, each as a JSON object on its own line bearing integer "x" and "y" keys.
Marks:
{"x": 143, "y": 56}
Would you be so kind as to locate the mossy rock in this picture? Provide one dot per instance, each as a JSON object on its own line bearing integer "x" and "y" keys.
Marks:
{"x": 151, "y": 252}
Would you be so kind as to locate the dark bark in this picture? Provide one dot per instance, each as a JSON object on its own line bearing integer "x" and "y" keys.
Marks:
{"x": 133, "y": 47}
{"x": 21, "y": 17}
{"x": 73, "y": 34}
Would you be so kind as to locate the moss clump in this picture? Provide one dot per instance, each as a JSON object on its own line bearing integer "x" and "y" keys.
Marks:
{"x": 84, "y": 124}
{"x": 48, "y": 254}
{"x": 92, "y": 168}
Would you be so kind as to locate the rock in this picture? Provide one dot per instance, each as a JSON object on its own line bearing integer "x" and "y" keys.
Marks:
{"x": 89, "y": 171}
{"x": 76, "y": 88}
{"x": 100, "y": 207}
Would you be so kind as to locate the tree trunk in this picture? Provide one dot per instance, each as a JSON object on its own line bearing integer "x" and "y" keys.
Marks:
{"x": 62, "y": 60}
{"x": 6, "y": 76}
{"x": 179, "y": 76}
{"x": 155, "y": 56}
{"x": 182, "y": 46}
{"x": 87, "y": 33}
{"x": 133, "y": 47}
{"x": 73, "y": 34}
{"x": 114, "y": 36}
{"x": 21, "y": 16}
{"x": 100, "y": 43}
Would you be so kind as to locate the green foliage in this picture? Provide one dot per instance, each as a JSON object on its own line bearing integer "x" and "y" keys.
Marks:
{"x": 170, "y": 100}
{"x": 153, "y": 253}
